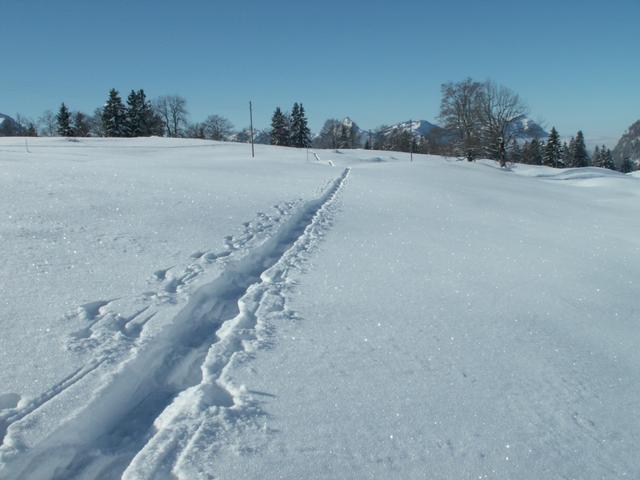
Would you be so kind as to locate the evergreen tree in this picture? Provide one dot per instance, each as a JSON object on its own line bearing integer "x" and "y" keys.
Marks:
{"x": 141, "y": 119}
{"x": 526, "y": 150}
{"x": 300, "y": 133}
{"x": 564, "y": 155}
{"x": 114, "y": 118}
{"x": 607, "y": 158}
{"x": 552, "y": 149}
{"x": 279, "y": 128}
{"x": 571, "y": 153}
{"x": 535, "y": 152}
{"x": 294, "y": 123}
{"x": 627, "y": 165}
{"x": 64, "y": 122}
{"x": 596, "y": 159}
{"x": 515, "y": 152}
{"x": 580, "y": 155}
{"x": 134, "y": 114}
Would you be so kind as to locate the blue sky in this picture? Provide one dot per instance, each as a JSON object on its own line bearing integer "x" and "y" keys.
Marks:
{"x": 575, "y": 63}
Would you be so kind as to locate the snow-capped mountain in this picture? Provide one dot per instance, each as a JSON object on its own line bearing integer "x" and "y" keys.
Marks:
{"x": 527, "y": 129}
{"x": 418, "y": 127}
{"x": 629, "y": 145}
{"x": 524, "y": 129}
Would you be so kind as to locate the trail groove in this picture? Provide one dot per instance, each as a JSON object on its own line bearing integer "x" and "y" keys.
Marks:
{"x": 117, "y": 423}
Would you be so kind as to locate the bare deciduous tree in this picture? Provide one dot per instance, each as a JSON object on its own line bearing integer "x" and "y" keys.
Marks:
{"x": 47, "y": 124}
{"x": 500, "y": 115}
{"x": 96, "y": 128}
{"x": 479, "y": 114}
{"x": 195, "y": 130}
{"x": 459, "y": 113}
{"x": 330, "y": 134}
{"x": 217, "y": 127}
{"x": 173, "y": 110}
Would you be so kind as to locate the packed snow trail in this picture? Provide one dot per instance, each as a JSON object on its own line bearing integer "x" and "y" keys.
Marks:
{"x": 101, "y": 438}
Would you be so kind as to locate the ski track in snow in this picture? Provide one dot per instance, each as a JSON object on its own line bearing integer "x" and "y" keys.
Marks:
{"x": 134, "y": 423}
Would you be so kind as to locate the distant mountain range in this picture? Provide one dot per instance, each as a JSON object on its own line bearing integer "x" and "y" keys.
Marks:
{"x": 524, "y": 129}
{"x": 418, "y": 127}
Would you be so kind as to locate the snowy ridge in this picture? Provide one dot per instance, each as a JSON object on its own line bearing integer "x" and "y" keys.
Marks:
{"x": 182, "y": 363}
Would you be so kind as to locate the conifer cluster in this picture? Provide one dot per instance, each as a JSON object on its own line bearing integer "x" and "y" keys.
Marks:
{"x": 137, "y": 119}
{"x": 290, "y": 130}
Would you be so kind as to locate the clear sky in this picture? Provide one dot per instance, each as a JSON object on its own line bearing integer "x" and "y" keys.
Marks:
{"x": 575, "y": 63}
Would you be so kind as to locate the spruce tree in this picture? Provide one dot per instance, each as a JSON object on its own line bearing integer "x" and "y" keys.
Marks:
{"x": 535, "y": 152}
{"x": 627, "y": 165}
{"x": 515, "y": 152}
{"x": 571, "y": 153}
{"x": 134, "y": 114}
{"x": 526, "y": 151}
{"x": 580, "y": 155}
{"x": 552, "y": 149}
{"x": 564, "y": 155}
{"x": 596, "y": 159}
{"x": 607, "y": 158}
{"x": 300, "y": 133}
{"x": 64, "y": 122}
{"x": 294, "y": 124}
{"x": 279, "y": 128}
{"x": 141, "y": 120}
{"x": 114, "y": 117}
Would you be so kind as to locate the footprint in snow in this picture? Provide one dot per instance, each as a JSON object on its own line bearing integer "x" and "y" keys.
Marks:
{"x": 9, "y": 400}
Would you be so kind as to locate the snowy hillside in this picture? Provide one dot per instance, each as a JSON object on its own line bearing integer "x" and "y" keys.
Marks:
{"x": 174, "y": 309}
{"x": 629, "y": 145}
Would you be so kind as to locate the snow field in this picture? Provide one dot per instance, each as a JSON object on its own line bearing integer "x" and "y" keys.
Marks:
{"x": 375, "y": 319}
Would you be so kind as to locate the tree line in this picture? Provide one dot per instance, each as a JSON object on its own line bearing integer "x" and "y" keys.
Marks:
{"x": 478, "y": 119}
{"x": 164, "y": 116}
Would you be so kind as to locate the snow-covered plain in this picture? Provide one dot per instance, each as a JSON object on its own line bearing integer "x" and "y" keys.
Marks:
{"x": 177, "y": 309}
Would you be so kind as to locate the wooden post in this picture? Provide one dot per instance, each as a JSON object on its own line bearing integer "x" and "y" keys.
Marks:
{"x": 253, "y": 153}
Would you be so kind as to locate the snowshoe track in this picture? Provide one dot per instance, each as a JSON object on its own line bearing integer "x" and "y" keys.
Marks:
{"x": 136, "y": 411}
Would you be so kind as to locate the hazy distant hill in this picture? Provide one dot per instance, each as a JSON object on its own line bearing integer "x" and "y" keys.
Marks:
{"x": 8, "y": 126}
{"x": 629, "y": 145}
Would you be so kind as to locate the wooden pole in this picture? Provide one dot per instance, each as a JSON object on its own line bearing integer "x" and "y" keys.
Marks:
{"x": 253, "y": 153}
